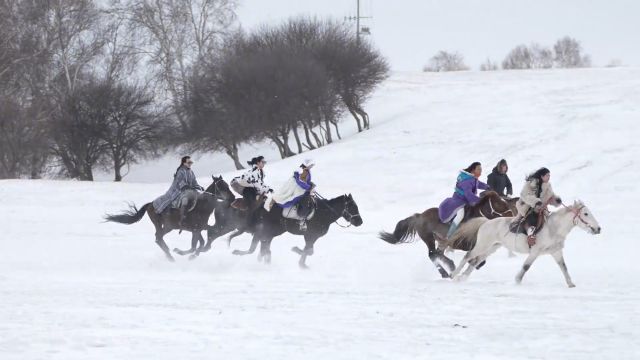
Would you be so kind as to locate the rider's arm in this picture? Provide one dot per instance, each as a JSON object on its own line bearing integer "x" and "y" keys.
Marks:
{"x": 467, "y": 188}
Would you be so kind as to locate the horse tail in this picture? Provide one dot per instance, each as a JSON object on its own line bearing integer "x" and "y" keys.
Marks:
{"x": 467, "y": 234}
{"x": 133, "y": 215}
{"x": 405, "y": 231}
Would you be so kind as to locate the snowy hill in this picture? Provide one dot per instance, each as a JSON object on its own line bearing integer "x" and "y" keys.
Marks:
{"x": 72, "y": 287}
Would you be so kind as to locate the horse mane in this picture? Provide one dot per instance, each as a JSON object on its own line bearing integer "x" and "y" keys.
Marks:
{"x": 485, "y": 197}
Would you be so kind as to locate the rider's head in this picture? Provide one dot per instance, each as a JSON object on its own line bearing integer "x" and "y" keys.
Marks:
{"x": 474, "y": 169}
{"x": 543, "y": 175}
{"x": 258, "y": 162}
{"x": 186, "y": 161}
{"x": 307, "y": 164}
{"x": 502, "y": 166}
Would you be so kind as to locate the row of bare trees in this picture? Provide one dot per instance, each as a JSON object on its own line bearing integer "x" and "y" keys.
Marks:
{"x": 90, "y": 84}
{"x": 289, "y": 84}
{"x": 567, "y": 52}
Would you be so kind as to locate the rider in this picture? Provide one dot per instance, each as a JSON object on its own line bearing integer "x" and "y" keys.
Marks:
{"x": 182, "y": 191}
{"x": 498, "y": 180}
{"x": 467, "y": 185}
{"x": 297, "y": 191}
{"x": 251, "y": 183}
{"x": 536, "y": 195}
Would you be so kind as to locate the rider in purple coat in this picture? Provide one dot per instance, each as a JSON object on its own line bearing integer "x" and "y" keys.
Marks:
{"x": 467, "y": 185}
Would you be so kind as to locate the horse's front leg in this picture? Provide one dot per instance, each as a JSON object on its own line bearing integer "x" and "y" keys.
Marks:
{"x": 265, "y": 250}
{"x": 308, "y": 251}
{"x": 559, "y": 258}
{"x": 195, "y": 237}
{"x": 163, "y": 245}
{"x": 527, "y": 264}
{"x": 252, "y": 248}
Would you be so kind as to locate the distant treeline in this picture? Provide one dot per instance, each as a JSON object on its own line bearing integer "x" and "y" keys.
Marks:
{"x": 91, "y": 84}
{"x": 567, "y": 52}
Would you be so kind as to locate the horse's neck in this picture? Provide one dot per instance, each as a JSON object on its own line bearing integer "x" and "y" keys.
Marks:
{"x": 337, "y": 208}
{"x": 561, "y": 222}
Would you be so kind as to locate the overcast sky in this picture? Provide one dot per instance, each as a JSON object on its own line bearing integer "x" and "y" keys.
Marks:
{"x": 409, "y": 32}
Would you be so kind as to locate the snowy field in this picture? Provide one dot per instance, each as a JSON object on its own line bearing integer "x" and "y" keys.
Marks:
{"x": 72, "y": 287}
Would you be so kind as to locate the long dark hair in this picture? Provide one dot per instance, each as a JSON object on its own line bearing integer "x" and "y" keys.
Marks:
{"x": 472, "y": 167}
{"x": 254, "y": 161}
{"x": 538, "y": 174}
{"x": 182, "y": 162}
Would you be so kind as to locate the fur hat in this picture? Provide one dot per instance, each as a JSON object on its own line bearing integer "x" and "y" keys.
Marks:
{"x": 307, "y": 164}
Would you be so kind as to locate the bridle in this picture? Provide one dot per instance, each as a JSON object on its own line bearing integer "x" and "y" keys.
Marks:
{"x": 345, "y": 213}
{"x": 494, "y": 212}
{"x": 576, "y": 215}
{"x": 216, "y": 190}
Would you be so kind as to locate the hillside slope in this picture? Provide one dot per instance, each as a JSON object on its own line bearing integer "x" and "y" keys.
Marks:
{"x": 72, "y": 287}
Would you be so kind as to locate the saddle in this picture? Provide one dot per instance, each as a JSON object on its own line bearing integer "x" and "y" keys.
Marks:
{"x": 531, "y": 219}
{"x": 241, "y": 203}
{"x": 304, "y": 210}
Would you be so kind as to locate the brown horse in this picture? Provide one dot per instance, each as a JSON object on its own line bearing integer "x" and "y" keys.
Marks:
{"x": 428, "y": 226}
{"x": 195, "y": 221}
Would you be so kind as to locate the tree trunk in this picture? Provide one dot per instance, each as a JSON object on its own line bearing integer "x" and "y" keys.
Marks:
{"x": 232, "y": 151}
{"x": 355, "y": 116}
{"x": 117, "y": 169}
{"x": 309, "y": 144}
{"x": 317, "y": 138}
{"x": 327, "y": 131}
{"x": 280, "y": 145}
{"x": 335, "y": 124}
{"x": 364, "y": 115}
{"x": 298, "y": 142}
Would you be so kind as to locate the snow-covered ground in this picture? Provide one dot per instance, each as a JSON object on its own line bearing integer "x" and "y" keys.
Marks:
{"x": 72, "y": 287}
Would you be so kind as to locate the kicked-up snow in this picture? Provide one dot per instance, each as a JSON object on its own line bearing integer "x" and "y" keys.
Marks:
{"x": 72, "y": 287}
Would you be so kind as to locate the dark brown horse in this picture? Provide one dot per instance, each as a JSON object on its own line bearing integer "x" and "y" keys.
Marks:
{"x": 196, "y": 220}
{"x": 428, "y": 226}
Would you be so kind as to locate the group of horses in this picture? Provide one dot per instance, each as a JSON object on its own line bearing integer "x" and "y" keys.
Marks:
{"x": 263, "y": 224}
{"x": 484, "y": 229}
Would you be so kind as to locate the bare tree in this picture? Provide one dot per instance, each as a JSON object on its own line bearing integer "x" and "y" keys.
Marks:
{"x": 133, "y": 130}
{"x": 78, "y": 130}
{"x": 446, "y": 61}
{"x": 541, "y": 57}
{"x": 568, "y": 54}
{"x": 176, "y": 34}
{"x": 489, "y": 65}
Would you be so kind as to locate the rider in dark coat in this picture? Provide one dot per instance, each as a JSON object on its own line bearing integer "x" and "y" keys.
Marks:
{"x": 498, "y": 180}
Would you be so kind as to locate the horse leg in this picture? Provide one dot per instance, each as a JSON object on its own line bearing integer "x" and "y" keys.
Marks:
{"x": 525, "y": 267}
{"x": 559, "y": 258}
{"x": 464, "y": 260}
{"x": 479, "y": 261}
{"x": 308, "y": 251}
{"x": 265, "y": 250}
{"x": 160, "y": 241}
{"x": 252, "y": 248}
{"x": 194, "y": 243}
{"x": 436, "y": 256}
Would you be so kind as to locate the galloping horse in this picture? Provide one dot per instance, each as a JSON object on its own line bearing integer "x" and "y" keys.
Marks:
{"x": 489, "y": 235}
{"x": 195, "y": 221}
{"x": 271, "y": 224}
{"x": 428, "y": 226}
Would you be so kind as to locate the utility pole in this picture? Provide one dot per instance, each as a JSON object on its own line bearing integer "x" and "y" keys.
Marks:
{"x": 359, "y": 30}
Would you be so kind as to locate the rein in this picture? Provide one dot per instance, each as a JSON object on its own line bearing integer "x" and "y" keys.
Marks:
{"x": 345, "y": 212}
{"x": 216, "y": 191}
{"x": 576, "y": 215}
{"x": 493, "y": 211}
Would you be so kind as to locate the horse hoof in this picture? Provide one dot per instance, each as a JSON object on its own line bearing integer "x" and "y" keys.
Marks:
{"x": 238, "y": 252}
{"x": 303, "y": 266}
{"x": 171, "y": 259}
{"x": 193, "y": 257}
{"x": 572, "y": 285}
{"x": 296, "y": 250}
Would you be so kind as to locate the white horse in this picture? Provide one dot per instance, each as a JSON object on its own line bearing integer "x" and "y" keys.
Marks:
{"x": 491, "y": 234}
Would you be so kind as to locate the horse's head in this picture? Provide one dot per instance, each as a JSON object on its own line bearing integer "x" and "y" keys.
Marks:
{"x": 351, "y": 212}
{"x": 220, "y": 189}
{"x": 583, "y": 217}
{"x": 492, "y": 205}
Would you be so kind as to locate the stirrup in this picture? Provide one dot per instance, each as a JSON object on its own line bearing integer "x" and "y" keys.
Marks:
{"x": 303, "y": 225}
